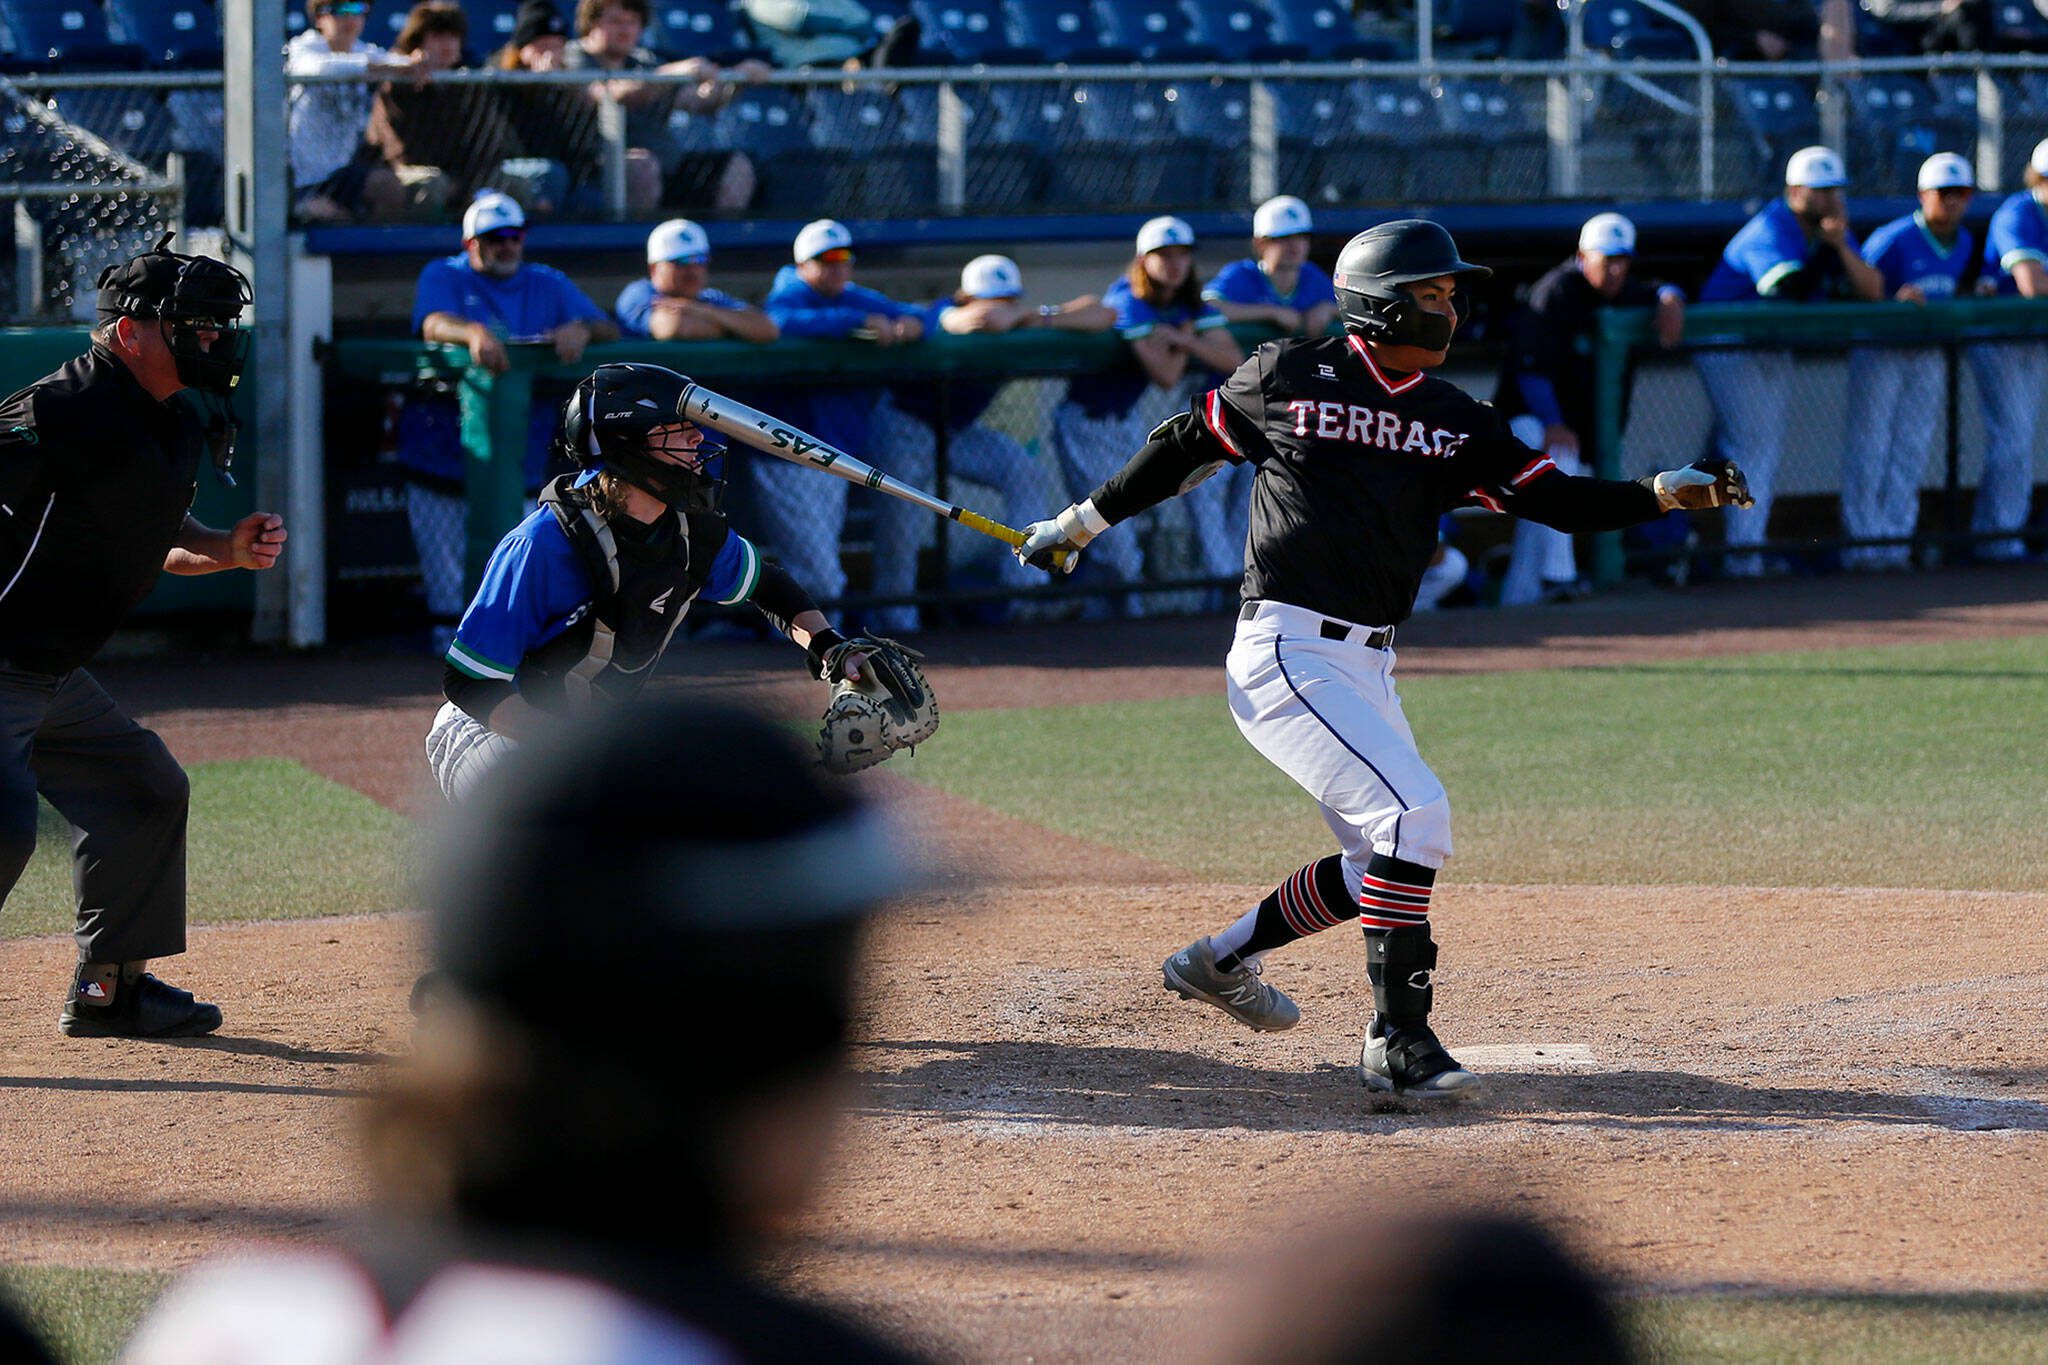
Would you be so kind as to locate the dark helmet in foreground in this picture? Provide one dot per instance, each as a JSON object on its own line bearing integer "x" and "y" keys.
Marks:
{"x": 610, "y": 423}
{"x": 1374, "y": 264}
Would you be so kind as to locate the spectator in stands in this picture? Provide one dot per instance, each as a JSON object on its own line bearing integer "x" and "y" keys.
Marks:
{"x": 1799, "y": 248}
{"x": 1898, "y": 402}
{"x": 1160, "y": 312}
{"x": 442, "y": 142}
{"x": 988, "y": 302}
{"x": 335, "y": 174}
{"x": 608, "y": 34}
{"x": 1936, "y": 25}
{"x": 816, "y": 297}
{"x": 830, "y": 32}
{"x": 485, "y": 298}
{"x": 2010, "y": 374}
{"x": 676, "y": 303}
{"x": 1758, "y": 30}
{"x": 1548, "y": 388}
{"x": 555, "y": 125}
{"x": 550, "y": 1183}
{"x": 1277, "y": 285}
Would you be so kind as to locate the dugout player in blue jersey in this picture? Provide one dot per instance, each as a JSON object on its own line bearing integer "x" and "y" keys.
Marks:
{"x": 676, "y": 301}
{"x": 1897, "y": 394}
{"x": 483, "y": 297}
{"x": 2012, "y": 376}
{"x": 1280, "y": 286}
{"x": 1359, "y": 453}
{"x": 989, "y": 301}
{"x": 1799, "y": 248}
{"x": 580, "y": 599}
{"x": 1160, "y": 312}
{"x": 816, "y": 297}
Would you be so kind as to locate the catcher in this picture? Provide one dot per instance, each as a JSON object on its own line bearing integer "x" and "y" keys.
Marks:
{"x": 580, "y": 599}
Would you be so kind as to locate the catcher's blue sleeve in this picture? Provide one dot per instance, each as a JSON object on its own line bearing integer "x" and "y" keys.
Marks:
{"x": 533, "y": 587}
{"x": 735, "y": 573}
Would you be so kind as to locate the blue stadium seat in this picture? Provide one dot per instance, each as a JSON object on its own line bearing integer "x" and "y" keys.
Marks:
{"x": 1895, "y": 125}
{"x": 43, "y": 28}
{"x": 1138, "y": 112}
{"x": 1395, "y": 108}
{"x": 490, "y": 24}
{"x": 385, "y": 19}
{"x": 1475, "y": 29}
{"x": 180, "y": 32}
{"x": 866, "y": 120}
{"x": 1234, "y": 27}
{"x": 1315, "y": 24}
{"x": 1058, "y": 28}
{"x": 1624, "y": 29}
{"x": 1145, "y": 26}
{"x": 1038, "y": 115}
{"x": 765, "y": 120}
{"x": 133, "y": 122}
{"x": 1217, "y": 112}
{"x": 1507, "y": 118}
{"x": 2016, "y": 26}
{"x": 698, "y": 28}
{"x": 962, "y": 29}
{"x": 1778, "y": 110}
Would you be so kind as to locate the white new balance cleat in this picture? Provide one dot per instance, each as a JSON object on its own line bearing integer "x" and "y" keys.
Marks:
{"x": 1192, "y": 972}
{"x": 1410, "y": 1062}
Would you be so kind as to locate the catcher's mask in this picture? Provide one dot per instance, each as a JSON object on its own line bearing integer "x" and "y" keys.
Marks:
{"x": 1372, "y": 267}
{"x": 189, "y": 296}
{"x": 625, "y": 417}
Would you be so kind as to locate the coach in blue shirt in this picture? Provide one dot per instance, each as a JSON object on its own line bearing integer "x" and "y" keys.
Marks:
{"x": 2010, "y": 373}
{"x": 1897, "y": 404}
{"x": 1277, "y": 284}
{"x": 1798, "y": 249}
{"x": 484, "y": 297}
{"x": 676, "y": 301}
{"x": 816, "y": 297}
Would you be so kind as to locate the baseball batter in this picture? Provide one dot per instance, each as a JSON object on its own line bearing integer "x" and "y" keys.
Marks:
{"x": 1359, "y": 451}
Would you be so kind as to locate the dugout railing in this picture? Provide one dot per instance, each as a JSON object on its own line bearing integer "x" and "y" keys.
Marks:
{"x": 1941, "y": 439}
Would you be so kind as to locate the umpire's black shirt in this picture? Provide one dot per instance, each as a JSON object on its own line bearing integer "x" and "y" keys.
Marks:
{"x": 95, "y": 480}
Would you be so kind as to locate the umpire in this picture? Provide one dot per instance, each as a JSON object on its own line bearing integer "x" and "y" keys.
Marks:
{"x": 98, "y": 466}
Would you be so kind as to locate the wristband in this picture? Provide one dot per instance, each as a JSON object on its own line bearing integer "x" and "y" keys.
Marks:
{"x": 1081, "y": 523}
{"x": 821, "y": 644}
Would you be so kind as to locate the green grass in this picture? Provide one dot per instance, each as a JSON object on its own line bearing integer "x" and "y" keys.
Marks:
{"x": 1909, "y": 766}
{"x": 1930, "y": 1329}
{"x": 84, "y": 1316}
{"x": 269, "y": 840}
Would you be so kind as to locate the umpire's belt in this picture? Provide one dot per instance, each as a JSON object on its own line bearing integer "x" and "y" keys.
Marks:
{"x": 1292, "y": 620}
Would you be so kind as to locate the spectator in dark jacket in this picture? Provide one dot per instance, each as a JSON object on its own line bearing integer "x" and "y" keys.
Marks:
{"x": 442, "y": 141}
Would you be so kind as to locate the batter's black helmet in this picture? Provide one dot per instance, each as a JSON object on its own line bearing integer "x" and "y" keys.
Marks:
{"x": 1373, "y": 265}
{"x": 606, "y": 423}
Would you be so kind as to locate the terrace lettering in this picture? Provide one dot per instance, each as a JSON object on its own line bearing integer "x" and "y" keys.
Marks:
{"x": 1373, "y": 427}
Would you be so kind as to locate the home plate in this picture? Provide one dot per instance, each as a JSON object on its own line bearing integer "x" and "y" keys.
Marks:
{"x": 1526, "y": 1056}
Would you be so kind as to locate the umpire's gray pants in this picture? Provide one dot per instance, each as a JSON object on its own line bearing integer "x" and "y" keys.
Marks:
{"x": 124, "y": 796}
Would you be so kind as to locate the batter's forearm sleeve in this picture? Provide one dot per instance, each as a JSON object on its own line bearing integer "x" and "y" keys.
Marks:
{"x": 477, "y": 697}
{"x": 1574, "y": 504}
{"x": 780, "y": 597}
{"x": 1177, "y": 449}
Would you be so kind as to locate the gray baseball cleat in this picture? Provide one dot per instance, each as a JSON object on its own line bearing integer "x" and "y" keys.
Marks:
{"x": 1192, "y": 973}
{"x": 1409, "y": 1061}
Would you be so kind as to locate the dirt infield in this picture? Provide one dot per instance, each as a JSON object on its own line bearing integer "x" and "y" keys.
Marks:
{"x": 1053, "y": 1159}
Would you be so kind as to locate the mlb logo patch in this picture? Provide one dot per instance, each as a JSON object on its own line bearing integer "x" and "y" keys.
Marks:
{"x": 91, "y": 990}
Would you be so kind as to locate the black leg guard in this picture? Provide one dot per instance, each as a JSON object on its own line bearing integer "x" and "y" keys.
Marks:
{"x": 1401, "y": 964}
{"x": 1401, "y": 1054}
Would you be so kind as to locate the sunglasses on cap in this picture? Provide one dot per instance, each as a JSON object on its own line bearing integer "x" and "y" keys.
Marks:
{"x": 511, "y": 234}
{"x": 836, "y": 256}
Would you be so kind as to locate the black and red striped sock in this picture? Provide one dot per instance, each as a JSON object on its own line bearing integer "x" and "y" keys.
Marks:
{"x": 1394, "y": 894}
{"x": 1312, "y": 900}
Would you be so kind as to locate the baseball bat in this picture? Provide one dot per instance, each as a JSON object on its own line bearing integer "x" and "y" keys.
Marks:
{"x": 778, "y": 438}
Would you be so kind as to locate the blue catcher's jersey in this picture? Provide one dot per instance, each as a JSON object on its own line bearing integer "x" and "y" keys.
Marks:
{"x": 1905, "y": 252}
{"x": 1768, "y": 250}
{"x": 1116, "y": 393}
{"x": 2018, "y": 232}
{"x": 1246, "y": 282}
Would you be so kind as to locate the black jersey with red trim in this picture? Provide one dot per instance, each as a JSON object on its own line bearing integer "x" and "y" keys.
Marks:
{"x": 1355, "y": 466}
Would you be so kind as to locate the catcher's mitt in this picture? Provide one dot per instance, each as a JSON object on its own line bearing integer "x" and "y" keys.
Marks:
{"x": 890, "y": 707}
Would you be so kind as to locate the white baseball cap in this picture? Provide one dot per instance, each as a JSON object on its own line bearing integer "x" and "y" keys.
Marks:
{"x": 1164, "y": 231}
{"x": 991, "y": 277}
{"x": 1282, "y": 216}
{"x": 1608, "y": 234}
{"x": 1817, "y": 168}
{"x": 820, "y": 236}
{"x": 678, "y": 239}
{"x": 2039, "y": 160}
{"x": 490, "y": 211}
{"x": 1946, "y": 171}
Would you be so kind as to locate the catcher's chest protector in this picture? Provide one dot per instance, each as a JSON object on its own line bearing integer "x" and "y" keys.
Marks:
{"x": 642, "y": 593}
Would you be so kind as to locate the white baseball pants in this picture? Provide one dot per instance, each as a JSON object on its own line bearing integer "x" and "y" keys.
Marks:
{"x": 462, "y": 751}
{"x": 1325, "y": 713}
{"x": 1750, "y": 391}
{"x": 2011, "y": 376}
{"x": 1895, "y": 407}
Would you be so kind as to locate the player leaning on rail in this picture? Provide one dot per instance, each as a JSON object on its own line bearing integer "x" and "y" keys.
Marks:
{"x": 1358, "y": 453}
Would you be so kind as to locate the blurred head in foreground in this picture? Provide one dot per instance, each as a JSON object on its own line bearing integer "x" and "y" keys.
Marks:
{"x": 648, "y": 931}
{"x": 1463, "y": 1286}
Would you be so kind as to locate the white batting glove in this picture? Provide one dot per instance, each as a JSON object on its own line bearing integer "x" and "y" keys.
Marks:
{"x": 1703, "y": 483}
{"x": 1070, "y": 530}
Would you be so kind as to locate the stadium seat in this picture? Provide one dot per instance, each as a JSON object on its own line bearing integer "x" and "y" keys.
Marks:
{"x": 1216, "y": 112}
{"x": 1895, "y": 125}
{"x": 1058, "y": 28}
{"x": 1475, "y": 29}
{"x": 1233, "y": 27}
{"x": 1779, "y": 114}
{"x": 1507, "y": 117}
{"x": 962, "y": 30}
{"x": 385, "y": 19}
{"x": 2016, "y": 26}
{"x": 698, "y": 28}
{"x": 765, "y": 120}
{"x": 181, "y": 32}
{"x": 1626, "y": 30}
{"x": 1145, "y": 26}
{"x": 52, "y": 28}
{"x": 132, "y": 122}
{"x": 867, "y": 119}
{"x": 1315, "y": 24}
{"x": 490, "y": 25}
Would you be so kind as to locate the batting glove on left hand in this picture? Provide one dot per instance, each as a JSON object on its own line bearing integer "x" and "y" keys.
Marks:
{"x": 1069, "y": 531}
{"x": 1703, "y": 483}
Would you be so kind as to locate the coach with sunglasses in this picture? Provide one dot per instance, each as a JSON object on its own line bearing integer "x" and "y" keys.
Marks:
{"x": 484, "y": 298}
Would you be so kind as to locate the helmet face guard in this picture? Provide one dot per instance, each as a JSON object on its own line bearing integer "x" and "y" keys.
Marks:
{"x": 1377, "y": 262}
{"x": 608, "y": 424}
